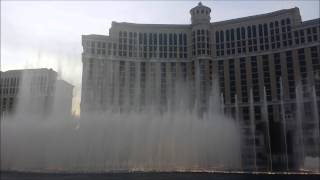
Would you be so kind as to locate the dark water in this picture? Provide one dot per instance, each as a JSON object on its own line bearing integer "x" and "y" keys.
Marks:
{"x": 152, "y": 176}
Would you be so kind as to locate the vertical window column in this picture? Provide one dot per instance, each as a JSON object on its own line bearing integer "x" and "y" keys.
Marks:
{"x": 135, "y": 44}
{"x": 151, "y": 45}
{"x": 217, "y": 37}
{"x": 145, "y": 45}
{"x": 160, "y": 45}
{"x": 303, "y": 71}
{"x": 163, "y": 84}
{"x": 266, "y": 77}
{"x": 130, "y": 43}
{"x": 185, "y": 51}
{"x": 249, "y": 39}
{"x": 170, "y": 45}
{"x": 140, "y": 45}
{"x": 132, "y": 77}
{"x": 290, "y": 73}
{"x": 122, "y": 78}
{"x": 243, "y": 79}
{"x": 277, "y": 67}
{"x": 277, "y": 33}
{"x": 142, "y": 83}
{"x": 221, "y": 43}
{"x": 125, "y": 41}
{"x": 232, "y": 80}
{"x": 221, "y": 78}
{"x": 228, "y": 41}
{"x": 255, "y": 79}
{"x": 316, "y": 68}
{"x": 193, "y": 43}
{"x": 254, "y": 38}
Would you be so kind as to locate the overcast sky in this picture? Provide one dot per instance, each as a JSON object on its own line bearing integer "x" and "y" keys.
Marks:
{"x": 46, "y": 34}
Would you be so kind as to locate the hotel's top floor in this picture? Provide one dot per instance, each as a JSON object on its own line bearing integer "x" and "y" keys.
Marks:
{"x": 201, "y": 38}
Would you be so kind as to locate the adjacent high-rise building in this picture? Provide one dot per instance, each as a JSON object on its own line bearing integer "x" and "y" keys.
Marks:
{"x": 265, "y": 67}
{"x": 36, "y": 92}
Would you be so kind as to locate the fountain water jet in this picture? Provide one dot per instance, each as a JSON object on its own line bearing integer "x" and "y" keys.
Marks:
{"x": 284, "y": 124}
{"x": 316, "y": 124}
{"x": 238, "y": 119}
{"x": 266, "y": 119}
{"x": 253, "y": 131}
{"x": 299, "y": 130}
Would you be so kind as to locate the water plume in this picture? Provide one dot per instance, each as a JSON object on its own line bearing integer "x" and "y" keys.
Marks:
{"x": 176, "y": 139}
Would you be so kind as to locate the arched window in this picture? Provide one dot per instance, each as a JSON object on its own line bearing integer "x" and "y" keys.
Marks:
{"x": 271, "y": 25}
{"x": 221, "y": 36}
{"x": 288, "y": 21}
{"x": 217, "y": 37}
{"x": 249, "y": 31}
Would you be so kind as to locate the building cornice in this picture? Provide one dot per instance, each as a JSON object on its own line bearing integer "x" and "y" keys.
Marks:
{"x": 161, "y": 26}
{"x": 256, "y": 17}
{"x": 311, "y": 22}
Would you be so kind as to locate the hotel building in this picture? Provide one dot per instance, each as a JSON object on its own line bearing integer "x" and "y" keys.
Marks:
{"x": 35, "y": 92}
{"x": 266, "y": 68}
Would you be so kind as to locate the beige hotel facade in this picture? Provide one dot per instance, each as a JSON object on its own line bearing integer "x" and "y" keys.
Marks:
{"x": 261, "y": 66}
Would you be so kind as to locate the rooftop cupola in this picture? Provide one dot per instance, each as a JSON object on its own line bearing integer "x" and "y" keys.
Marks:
{"x": 200, "y": 14}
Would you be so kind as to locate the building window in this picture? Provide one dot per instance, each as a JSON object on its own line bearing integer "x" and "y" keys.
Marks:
{"x": 315, "y": 68}
{"x": 122, "y": 71}
{"x": 255, "y": 79}
{"x": 243, "y": 79}
{"x": 290, "y": 72}
{"x": 232, "y": 80}
{"x": 302, "y": 38}
{"x": 163, "y": 85}
{"x": 278, "y": 74}
{"x": 165, "y": 42}
{"x": 221, "y": 77}
{"x": 266, "y": 77}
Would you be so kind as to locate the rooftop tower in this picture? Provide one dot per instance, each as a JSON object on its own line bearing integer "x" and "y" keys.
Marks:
{"x": 200, "y": 14}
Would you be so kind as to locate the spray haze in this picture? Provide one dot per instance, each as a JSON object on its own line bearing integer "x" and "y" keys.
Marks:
{"x": 176, "y": 139}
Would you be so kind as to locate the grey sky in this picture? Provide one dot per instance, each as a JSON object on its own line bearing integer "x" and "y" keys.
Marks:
{"x": 37, "y": 34}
